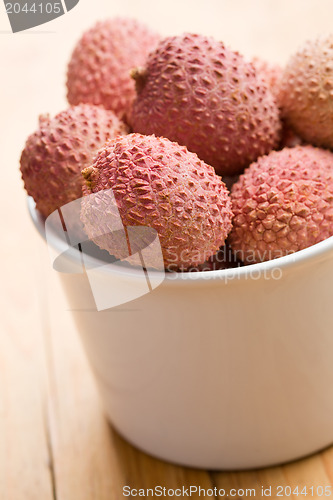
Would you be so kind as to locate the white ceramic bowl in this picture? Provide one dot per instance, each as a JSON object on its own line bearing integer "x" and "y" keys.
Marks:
{"x": 225, "y": 369}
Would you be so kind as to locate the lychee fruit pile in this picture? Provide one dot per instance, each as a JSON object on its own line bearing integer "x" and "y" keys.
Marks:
{"x": 165, "y": 124}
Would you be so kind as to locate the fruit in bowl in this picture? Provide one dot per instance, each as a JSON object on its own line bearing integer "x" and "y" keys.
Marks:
{"x": 263, "y": 346}
{"x": 306, "y": 92}
{"x": 198, "y": 92}
{"x": 99, "y": 68}
{"x": 283, "y": 203}
{"x": 159, "y": 184}
{"x": 198, "y": 106}
{"x": 54, "y": 155}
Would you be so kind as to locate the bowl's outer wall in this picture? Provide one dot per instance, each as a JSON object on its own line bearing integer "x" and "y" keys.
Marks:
{"x": 222, "y": 375}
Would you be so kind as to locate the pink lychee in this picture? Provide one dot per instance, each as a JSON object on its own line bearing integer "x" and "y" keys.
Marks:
{"x": 283, "y": 203}
{"x": 54, "y": 155}
{"x": 99, "y": 69}
{"x": 159, "y": 184}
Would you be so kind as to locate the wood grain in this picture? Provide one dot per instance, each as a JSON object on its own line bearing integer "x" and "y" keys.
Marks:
{"x": 55, "y": 442}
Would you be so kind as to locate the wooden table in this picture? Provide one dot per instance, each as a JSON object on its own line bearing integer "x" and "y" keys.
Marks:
{"x": 55, "y": 442}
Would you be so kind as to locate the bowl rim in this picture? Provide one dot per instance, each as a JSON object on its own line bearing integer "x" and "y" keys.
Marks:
{"x": 315, "y": 253}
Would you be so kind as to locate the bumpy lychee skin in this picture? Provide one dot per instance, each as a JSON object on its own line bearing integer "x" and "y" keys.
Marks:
{"x": 55, "y": 154}
{"x": 196, "y": 91}
{"x": 283, "y": 203}
{"x": 159, "y": 184}
{"x": 99, "y": 69}
{"x": 270, "y": 72}
{"x": 306, "y": 95}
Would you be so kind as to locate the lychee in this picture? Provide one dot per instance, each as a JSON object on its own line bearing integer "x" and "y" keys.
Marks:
{"x": 196, "y": 91}
{"x": 283, "y": 203}
{"x": 55, "y": 154}
{"x": 306, "y": 95}
{"x": 159, "y": 184}
{"x": 99, "y": 69}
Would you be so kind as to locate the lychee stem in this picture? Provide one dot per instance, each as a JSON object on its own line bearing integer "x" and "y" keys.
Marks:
{"x": 87, "y": 174}
{"x": 140, "y": 77}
